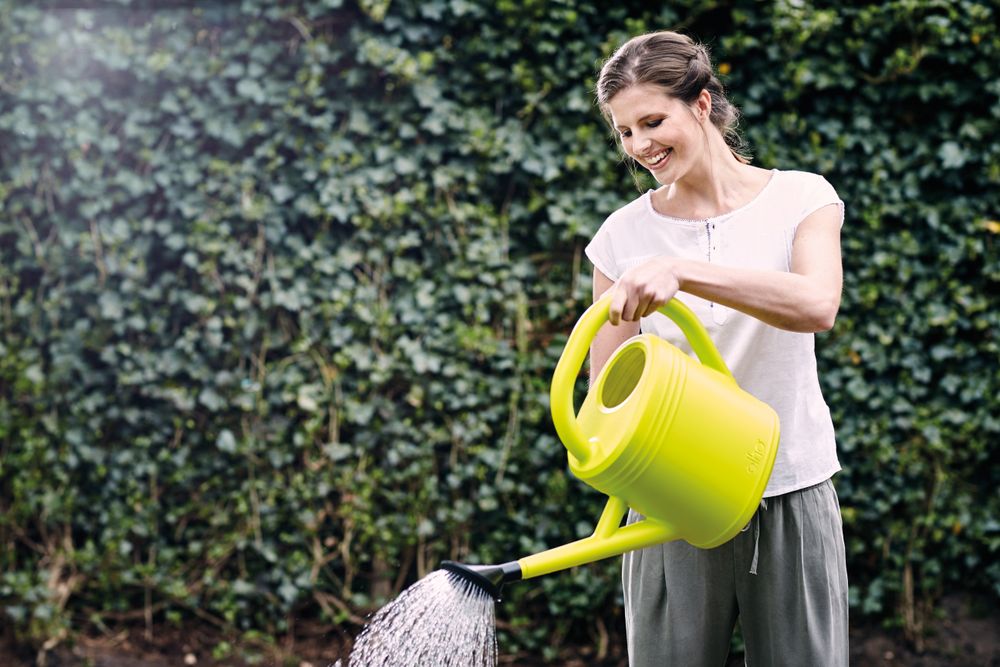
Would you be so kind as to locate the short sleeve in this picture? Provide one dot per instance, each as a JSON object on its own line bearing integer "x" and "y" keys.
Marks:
{"x": 821, "y": 194}
{"x": 599, "y": 252}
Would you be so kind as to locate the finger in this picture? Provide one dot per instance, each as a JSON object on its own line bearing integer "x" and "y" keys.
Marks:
{"x": 653, "y": 306}
{"x": 628, "y": 309}
{"x": 617, "y": 304}
{"x": 641, "y": 305}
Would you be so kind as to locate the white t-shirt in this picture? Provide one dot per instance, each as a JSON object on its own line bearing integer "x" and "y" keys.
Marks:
{"x": 776, "y": 366}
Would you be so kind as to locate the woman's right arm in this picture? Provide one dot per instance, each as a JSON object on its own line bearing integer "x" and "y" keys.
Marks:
{"x": 609, "y": 337}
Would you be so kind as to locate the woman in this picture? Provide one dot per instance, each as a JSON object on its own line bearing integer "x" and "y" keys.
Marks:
{"x": 756, "y": 254}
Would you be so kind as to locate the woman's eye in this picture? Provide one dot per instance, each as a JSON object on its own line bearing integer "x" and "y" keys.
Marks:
{"x": 625, "y": 134}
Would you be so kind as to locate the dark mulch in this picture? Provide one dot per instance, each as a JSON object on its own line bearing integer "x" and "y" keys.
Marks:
{"x": 966, "y": 635}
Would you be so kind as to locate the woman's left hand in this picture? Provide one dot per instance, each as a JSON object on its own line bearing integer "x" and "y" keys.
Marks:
{"x": 643, "y": 289}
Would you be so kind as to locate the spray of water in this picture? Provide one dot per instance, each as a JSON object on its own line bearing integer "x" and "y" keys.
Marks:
{"x": 442, "y": 620}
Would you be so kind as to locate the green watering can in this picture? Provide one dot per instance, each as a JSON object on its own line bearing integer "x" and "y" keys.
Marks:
{"x": 676, "y": 440}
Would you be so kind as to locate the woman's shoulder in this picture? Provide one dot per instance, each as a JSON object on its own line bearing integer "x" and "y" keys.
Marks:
{"x": 616, "y": 236}
{"x": 806, "y": 187}
{"x": 795, "y": 178}
{"x": 627, "y": 215}
{"x": 630, "y": 210}
{"x": 803, "y": 192}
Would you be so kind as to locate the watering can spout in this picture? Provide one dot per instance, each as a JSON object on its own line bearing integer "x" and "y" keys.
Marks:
{"x": 609, "y": 539}
{"x": 489, "y": 578}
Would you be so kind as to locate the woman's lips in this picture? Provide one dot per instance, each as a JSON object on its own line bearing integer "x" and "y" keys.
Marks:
{"x": 659, "y": 160}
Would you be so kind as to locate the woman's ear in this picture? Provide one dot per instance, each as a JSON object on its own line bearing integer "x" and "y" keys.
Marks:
{"x": 703, "y": 105}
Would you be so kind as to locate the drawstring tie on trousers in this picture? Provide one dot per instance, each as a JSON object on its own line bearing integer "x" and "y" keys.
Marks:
{"x": 756, "y": 535}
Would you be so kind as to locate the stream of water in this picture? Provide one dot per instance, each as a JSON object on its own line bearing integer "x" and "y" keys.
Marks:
{"x": 440, "y": 621}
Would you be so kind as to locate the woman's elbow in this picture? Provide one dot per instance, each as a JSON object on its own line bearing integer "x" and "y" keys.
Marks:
{"x": 823, "y": 314}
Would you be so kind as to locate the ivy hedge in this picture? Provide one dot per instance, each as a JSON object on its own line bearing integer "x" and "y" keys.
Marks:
{"x": 282, "y": 286}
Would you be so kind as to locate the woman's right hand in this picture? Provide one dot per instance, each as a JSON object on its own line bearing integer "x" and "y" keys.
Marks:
{"x": 643, "y": 289}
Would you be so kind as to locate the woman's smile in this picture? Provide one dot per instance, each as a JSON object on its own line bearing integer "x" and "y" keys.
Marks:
{"x": 659, "y": 160}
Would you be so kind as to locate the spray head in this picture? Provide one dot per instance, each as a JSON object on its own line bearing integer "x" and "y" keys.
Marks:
{"x": 490, "y": 578}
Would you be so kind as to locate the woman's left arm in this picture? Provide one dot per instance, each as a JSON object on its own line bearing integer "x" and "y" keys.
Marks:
{"x": 805, "y": 299}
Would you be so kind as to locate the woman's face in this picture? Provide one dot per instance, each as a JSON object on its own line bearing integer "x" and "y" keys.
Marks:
{"x": 659, "y": 132}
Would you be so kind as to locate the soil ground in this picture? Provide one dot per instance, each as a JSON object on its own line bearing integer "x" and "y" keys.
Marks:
{"x": 964, "y": 636}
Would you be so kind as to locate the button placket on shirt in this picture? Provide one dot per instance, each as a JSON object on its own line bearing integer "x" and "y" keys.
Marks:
{"x": 720, "y": 313}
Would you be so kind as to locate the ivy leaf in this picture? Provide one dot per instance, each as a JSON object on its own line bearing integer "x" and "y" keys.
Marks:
{"x": 226, "y": 442}
{"x": 952, "y": 155}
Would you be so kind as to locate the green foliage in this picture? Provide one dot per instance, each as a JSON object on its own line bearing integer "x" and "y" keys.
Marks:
{"x": 282, "y": 286}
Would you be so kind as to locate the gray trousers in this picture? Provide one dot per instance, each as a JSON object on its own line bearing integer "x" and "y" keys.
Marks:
{"x": 681, "y": 602}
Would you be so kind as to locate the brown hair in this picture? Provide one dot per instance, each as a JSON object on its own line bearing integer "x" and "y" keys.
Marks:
{"x": 678, "y": 65}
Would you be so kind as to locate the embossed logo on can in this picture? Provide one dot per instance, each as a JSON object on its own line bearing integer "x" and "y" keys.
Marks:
{"x": 755, "y": 455}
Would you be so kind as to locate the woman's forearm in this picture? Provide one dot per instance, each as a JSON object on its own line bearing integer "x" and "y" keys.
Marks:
{"x": 785, "y": 300}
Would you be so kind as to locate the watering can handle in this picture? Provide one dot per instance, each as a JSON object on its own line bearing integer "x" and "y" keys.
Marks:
{"x": 575, "y": 352}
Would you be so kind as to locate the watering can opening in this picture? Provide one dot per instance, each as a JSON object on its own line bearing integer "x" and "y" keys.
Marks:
{"x": 623, "y": 376}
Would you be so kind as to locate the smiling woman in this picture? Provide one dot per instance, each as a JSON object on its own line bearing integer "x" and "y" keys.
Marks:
{"x": 756, "y": 254}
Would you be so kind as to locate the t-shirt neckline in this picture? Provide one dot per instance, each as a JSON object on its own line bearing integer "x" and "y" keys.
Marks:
{"x": 715, "y": 218}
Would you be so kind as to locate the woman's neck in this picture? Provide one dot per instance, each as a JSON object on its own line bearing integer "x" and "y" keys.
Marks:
{"x": 718, "y": 183}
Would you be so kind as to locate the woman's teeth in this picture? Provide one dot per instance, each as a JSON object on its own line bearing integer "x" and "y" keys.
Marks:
{"x": 659, "y": 156}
